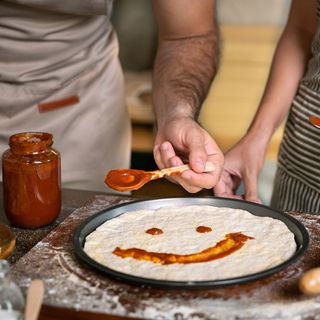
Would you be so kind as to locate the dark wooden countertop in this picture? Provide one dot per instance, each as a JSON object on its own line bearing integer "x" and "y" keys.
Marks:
{"x": 75, "y": 291}
{"x": 27, "y": 238}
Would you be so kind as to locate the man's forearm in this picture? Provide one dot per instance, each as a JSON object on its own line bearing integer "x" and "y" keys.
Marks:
{"x": 183, "y": 71}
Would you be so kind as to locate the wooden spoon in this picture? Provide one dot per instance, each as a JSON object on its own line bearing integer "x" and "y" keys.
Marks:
{"x": 34, "y": 299}
{"x": 315, "y": 121}
{"x": 131, "y": 179}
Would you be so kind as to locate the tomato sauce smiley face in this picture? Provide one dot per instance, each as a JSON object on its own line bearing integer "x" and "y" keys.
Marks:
{"x": 232, "y": 242}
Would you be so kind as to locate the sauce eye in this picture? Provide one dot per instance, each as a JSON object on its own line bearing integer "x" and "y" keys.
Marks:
{"x": 203, "y": 229}
{"x": 154, "y": 231}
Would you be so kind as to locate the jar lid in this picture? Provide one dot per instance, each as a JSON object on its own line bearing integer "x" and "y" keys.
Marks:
{"x": 30, "y": 142}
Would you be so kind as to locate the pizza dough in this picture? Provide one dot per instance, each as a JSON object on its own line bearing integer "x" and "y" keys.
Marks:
{"x": 270, "y": 242}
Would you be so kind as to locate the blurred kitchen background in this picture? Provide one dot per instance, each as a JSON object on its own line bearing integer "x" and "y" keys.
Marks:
{"x": 249, "y": 32}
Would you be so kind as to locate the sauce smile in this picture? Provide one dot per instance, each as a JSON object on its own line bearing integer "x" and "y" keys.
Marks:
{"x": 232, "y": 242}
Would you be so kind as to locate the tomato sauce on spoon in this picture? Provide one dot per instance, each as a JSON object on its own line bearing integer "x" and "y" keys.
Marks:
{"x": 133, "y": 179}
{"x": 127, "y": 179}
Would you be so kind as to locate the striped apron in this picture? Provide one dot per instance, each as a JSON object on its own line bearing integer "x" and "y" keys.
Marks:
{"x": 60, "y": 73}
{"x": 297, "y": 181}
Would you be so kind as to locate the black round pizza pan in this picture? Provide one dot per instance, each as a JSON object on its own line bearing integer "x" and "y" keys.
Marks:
{"x": 90, "y": 224}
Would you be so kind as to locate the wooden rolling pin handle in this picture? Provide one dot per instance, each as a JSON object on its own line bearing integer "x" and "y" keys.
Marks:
{"x": 34, "y": 299}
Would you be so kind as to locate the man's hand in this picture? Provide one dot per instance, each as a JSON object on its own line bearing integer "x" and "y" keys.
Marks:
{"x": 183, "y": 140}
{"x": 186, "y": 63}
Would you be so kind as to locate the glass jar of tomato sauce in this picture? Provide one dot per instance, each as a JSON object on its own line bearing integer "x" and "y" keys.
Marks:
{"x": 31, "y": 180}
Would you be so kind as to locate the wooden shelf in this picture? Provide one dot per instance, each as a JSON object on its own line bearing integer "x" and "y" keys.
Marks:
{"x": 142, "y": 138}
{"x": 234, "y": 96}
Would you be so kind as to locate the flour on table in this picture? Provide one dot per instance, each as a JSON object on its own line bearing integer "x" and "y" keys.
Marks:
{"x": 272, "y": 242}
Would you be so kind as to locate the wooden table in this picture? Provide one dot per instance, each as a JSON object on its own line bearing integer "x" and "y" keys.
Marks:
{"x": 75, "y": 291}
{"x": 28, "y": 238}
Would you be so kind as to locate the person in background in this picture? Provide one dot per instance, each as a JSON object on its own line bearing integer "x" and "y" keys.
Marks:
{"x": 60, "y": 73}
{"x": 293, "y": 87}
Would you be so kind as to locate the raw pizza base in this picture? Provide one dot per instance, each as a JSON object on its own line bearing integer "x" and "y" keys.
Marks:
{"x": 273, "y": 242}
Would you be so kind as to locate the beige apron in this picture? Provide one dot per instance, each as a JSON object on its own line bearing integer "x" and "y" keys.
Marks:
{"x": 60, "y": 73}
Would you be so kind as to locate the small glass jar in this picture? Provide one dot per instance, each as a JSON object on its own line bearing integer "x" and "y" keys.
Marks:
{"x": 7, "y": 241}
{"x": 11, "y": 298}
{"x": 31, "y": 180}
